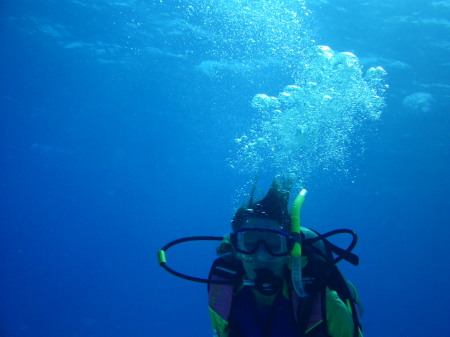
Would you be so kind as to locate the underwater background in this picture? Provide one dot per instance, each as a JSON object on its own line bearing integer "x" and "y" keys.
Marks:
{"x": 128, "y": 124}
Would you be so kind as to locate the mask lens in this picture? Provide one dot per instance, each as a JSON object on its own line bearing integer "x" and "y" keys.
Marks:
{"x": 275, "y": 243}
{"x": 247, "y": 241}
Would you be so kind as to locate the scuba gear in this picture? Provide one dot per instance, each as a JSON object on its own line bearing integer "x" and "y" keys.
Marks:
{"x": 248, "y": 240}
{"x": 319, "y": 275}
{"x": 321, "y": 280}
{"x": 309, "y": 276}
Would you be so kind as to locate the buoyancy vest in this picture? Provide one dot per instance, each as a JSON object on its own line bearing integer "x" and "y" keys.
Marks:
{"x": 232, "y": 309}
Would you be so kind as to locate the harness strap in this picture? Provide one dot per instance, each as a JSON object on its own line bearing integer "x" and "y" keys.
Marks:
{"x": 309, "y": 313}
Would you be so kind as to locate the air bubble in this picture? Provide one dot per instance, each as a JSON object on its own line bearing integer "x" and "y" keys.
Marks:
{"x": 317, "y": 123}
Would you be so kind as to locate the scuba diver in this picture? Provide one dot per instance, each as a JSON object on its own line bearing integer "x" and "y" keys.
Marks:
{"x": 274, "y": 278}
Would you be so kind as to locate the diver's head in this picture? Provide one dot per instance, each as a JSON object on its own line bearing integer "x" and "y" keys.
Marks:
{"x": 261, "y": 230}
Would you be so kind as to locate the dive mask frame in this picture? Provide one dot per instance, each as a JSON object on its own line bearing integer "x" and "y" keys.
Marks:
{"x": 244, "y": 243}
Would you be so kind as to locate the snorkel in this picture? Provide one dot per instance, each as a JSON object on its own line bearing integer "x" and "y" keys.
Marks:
{"x": 296, "y": 252}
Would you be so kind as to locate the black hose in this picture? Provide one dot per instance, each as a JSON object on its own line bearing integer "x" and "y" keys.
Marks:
{"x": 184, "y": 276}
{"x": 341, "y": 253}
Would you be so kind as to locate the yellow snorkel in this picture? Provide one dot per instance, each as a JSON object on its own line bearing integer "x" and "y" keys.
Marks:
{"x": 296, "y": 252}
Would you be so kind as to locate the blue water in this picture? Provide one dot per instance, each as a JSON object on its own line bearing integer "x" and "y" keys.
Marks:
{"x": 118, "y": 122}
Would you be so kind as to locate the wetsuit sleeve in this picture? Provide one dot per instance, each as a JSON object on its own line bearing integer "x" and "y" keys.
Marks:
{"x": 339, "y": 318}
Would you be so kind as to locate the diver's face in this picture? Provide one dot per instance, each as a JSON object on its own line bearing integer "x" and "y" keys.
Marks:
{"x": 261, "y": 257}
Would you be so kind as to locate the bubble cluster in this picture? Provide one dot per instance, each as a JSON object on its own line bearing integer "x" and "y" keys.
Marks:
{"x": 420, "y": 102}
{"x": 314, "y": 124}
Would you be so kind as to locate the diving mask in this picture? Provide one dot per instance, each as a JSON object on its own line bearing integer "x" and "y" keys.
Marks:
{"x": 248, "y": 240}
